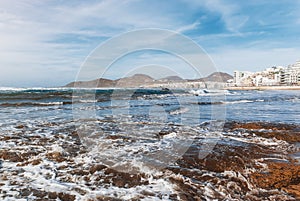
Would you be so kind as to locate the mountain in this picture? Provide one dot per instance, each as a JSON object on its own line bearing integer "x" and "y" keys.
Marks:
{"x": 171, "y": 79}
{"x": 134, "y": 81}
{"x": 102, "y": 82}
{"x": 139, "y": 80}
{"x": 215, "y": 77}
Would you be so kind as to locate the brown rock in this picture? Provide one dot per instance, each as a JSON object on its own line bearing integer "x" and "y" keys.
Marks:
{"x": 52, "y": 195}
{"x": 286, "y": 132}
{"x": 227, "y": 155}
{"x": 122, "y": 179}
{"x": 55, "y": 156}
{"x": 20, "y": 126}
{"x": 96, "y": 168}
{"x": 79, "y": 172}
{"x": 10, "y": 156}
{"x": 66, "y": 197}
{"x": 293, "y": 190}
{"x": 33, "y": 162}
{"x": 14, "y": 156}
{"x": 279, "y": 175}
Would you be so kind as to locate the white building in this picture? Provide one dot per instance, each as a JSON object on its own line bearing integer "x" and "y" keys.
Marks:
{"x": 291, "y": 74}
{"x": 240, "y": 77}
{"x": 268, "y": 77}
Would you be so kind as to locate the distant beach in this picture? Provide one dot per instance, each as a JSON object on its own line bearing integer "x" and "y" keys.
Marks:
{"x": 265, "y": 88}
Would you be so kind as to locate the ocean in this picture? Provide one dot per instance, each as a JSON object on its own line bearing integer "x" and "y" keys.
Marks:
{"x": 146, "y": 144}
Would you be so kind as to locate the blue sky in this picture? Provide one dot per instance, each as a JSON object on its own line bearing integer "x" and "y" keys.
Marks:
{"x": 44, "y": 43}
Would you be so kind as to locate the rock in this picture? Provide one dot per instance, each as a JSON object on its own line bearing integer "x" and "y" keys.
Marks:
{"x": 293, "y": 190}
{"x": 286, "y": 132}
{"x": 278, "y": 175}
{"x": 226, "y": 155}
{"x": 124, "y": 180}
{"x": 55, "y": 156}
{"x": 96, "y": 168}
{"x": 15, "y": 156}
{"x": 52, "y": 195}
{"x": 240, "y": 160}
{"x": 10, "y": 156}
{"x": 66, "y": 197}
{"x": 20, "y": 126}
{"x": 33, "y": 162}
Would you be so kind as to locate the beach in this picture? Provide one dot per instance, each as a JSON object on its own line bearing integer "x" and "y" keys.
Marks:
{"x": 263, "y": 88}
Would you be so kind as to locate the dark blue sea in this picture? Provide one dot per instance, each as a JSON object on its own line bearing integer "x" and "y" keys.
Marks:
{"x": 33, "y": 106}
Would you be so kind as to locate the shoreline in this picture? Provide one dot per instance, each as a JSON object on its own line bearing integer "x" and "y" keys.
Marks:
{"x": 264, "y": 88}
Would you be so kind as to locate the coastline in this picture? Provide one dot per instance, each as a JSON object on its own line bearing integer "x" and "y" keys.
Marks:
{"x": 264, "y": 88}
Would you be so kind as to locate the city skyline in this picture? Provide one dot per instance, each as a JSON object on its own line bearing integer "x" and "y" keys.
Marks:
{"x": 273, "y": 76}
{"x": 45, "y": 43}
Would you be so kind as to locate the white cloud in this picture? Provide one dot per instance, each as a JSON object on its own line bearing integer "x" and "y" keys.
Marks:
{"x": 230, "y": 13}
{"x": 52, "y": 37}
{"x": 231, "y": 59}
{"x": 188, "y": 27}
{"x": 37, "y": 33}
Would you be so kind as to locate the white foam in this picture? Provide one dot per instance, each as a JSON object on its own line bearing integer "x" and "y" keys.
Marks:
{"x": 180, "y": 111}
{"x": 239, "y": 101}
{"x": 51, "y": 103}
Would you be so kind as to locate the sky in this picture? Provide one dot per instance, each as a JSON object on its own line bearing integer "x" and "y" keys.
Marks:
{"x": 45, "y": 43}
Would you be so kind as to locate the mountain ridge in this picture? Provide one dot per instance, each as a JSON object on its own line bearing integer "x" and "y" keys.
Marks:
{"x": 138, "y": 80}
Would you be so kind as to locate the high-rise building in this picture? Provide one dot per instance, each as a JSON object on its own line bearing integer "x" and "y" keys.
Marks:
{"x": 290, "y": 75}
{"x": 276, "y": 75}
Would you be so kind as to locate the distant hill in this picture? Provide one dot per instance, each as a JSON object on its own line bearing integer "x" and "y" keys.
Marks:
{"x": 171, "y": 79}
{"x": 215, "y": 77}
{"x": 102, "y": 82}
{"x": 139, "y": 80}
{"x": 134, "y": 81}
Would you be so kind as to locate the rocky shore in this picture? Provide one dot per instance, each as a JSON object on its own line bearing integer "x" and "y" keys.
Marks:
{"x": 251, "y": 161}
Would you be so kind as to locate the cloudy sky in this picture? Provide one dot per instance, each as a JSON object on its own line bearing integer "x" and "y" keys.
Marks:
{"x": 44, "y": 43}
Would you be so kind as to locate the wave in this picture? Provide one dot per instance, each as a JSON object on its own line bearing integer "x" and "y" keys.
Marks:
{"x": 34, "y": 89}
{"x": 239, "y": 101}
{"x": 209, "y": 92}
{"x": 179, "y": 111}
{"x": 22, "y": 104}
{"x": 86, "y": 101}
{"x": 226, "y": 102}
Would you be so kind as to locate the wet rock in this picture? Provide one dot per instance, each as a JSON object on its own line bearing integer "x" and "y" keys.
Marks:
{"x": 80, "y": 172}
{"x": 96, "y": 168}
{"x": 186, "y": 191}
{"x": 20, "y": 126}
{"x": 10, "y": 156}
{"x": 52, "y": 195}
{"x": 293, "y": 190}
{"x": 32, "y": 162}
{"x": 278, "y": 175}
{"x": 239, "y": 158}
{"x": 286, "y": 132}
{"x": 56, "y": 156}
{"x": 6, "y": 138}
{"x": 225, "y": 156}
{"x": 66, "y": 197}
{"x": 125, "y": 180}
{"x": 103, "y": 198}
